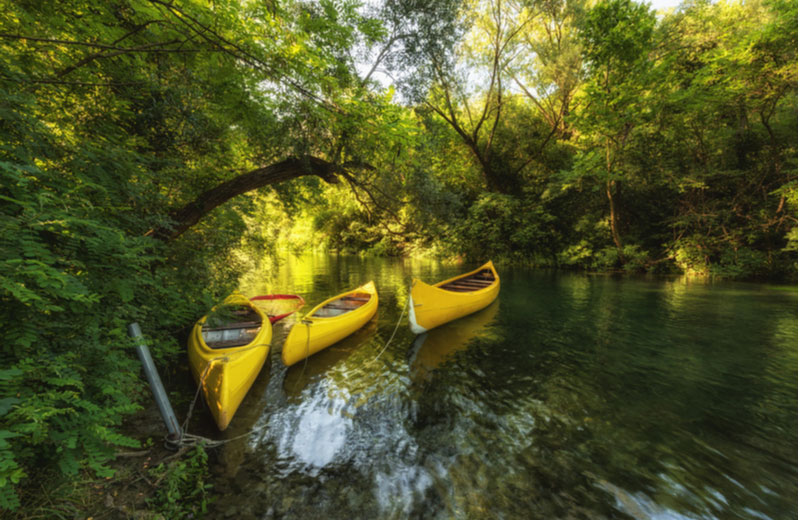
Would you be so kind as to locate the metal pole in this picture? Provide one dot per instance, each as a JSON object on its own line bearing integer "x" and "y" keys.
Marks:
{"x": 156, "y": 386}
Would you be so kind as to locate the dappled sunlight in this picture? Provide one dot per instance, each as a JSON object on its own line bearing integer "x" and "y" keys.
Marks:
{"x": 311, "y": 433}
{"x": 590, "y": 396}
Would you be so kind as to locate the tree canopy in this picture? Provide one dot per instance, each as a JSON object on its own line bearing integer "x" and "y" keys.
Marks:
{"x": 143, "y": 141}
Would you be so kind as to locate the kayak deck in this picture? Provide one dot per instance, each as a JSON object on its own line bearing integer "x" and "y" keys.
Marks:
{"x": 227, "y": 349}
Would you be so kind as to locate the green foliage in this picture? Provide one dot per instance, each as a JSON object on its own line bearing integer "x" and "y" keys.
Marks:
{"x": 88, "y": 164}
{"x": 60, "y": 262}
{"x": 612, "y": 140}
{"x": 505, "y": 228}
{"x": 182, "y": 490}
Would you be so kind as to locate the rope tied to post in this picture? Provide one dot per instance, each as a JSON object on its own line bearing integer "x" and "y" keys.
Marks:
{"x": 178, "y": 434}
{"x": 188, "y": 439}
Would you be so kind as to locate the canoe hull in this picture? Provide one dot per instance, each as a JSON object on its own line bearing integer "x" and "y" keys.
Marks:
{"x": 226, "y": 374}
{"x": 431, "y": 306}
{"x": 312, "y": 334}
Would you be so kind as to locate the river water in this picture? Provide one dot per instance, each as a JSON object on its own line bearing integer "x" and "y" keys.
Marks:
{"x": 571, "y": 396}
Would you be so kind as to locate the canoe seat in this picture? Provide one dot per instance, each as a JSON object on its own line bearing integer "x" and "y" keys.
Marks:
{"x": 471, "y": 283}
{"x": 230, "y": 344}
{"x": 356, "y": 298}
{"x": 327, "y": 312}
{"x": 341, "y": 306}
{"x": 236, "y": 325}
{"x": 476, "y": 283}
{"x": 231, "y": 335}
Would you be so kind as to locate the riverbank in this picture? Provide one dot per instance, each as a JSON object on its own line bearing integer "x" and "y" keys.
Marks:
{"x": 654, "y": 317}
{"x": 151, "y": 483}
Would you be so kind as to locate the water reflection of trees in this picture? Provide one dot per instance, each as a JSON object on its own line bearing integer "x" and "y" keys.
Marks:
{"x": 590, "y": 397}
{"x": 604, "y": 401}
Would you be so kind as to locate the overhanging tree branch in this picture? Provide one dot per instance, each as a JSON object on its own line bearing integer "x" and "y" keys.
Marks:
{"x": 288, "y": 169}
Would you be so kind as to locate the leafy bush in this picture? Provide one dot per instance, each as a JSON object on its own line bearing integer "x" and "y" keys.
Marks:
{"x": 505, "y": 228}
{"x": 182, "y": 491}
{"x": 578, "y": 255}
{"x": 75, "y": 269}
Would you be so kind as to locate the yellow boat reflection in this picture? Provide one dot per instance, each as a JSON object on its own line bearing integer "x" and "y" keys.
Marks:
{"x": 435, "y": 347}
{"x": 300, "y": 375}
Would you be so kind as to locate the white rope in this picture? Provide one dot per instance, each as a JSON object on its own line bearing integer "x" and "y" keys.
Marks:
{"x": 188, "y": 439}
{"x": 392, "y": 336}
{"x": 307, "y": 322}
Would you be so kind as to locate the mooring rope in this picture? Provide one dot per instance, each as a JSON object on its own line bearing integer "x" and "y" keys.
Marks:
{"x": 188, "y": 439}
{"x": 185, "y": 424}
{"x": 307, "y": 322}
{"x": 392, "y": 336}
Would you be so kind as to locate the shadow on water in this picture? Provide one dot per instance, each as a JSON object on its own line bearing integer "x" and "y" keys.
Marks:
{"x": 570, "y": 397}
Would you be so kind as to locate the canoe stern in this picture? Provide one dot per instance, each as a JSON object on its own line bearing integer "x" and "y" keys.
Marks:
{"x": 416, "y": 328}
{"x": 431, "y": 306}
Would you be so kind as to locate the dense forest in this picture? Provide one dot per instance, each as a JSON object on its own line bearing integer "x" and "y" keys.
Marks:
{"x": 145, "y": 143}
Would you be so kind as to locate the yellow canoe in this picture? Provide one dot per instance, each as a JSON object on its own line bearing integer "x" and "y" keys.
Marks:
{"x": 330, "y": 321}
{"x": 227, "y": 350}
{"x": 433, "y": 305}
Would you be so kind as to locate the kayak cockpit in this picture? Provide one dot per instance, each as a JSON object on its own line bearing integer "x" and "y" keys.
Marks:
{"x": 473, "y": 282}
{"x": 342, "y": 305}
{"x": 231, "y": 327}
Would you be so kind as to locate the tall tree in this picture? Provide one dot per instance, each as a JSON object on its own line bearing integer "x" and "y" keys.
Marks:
{"x": 468, "y": 91}
{"x": 547, "y": 64}
{"x": 724, "y": 134}
{"x": 617, "y": 41}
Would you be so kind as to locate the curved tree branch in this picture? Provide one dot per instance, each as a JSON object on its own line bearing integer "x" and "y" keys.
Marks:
{"x": 288, "y": 169}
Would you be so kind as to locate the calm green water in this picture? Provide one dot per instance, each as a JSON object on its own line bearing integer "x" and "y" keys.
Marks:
{"x": 572, "y": 396}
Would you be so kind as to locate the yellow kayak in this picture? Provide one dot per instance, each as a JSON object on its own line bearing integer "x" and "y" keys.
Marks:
{"x": 227, "y": 349}
{"x": 433, "y": 305}
{"x": 330, "y": 321}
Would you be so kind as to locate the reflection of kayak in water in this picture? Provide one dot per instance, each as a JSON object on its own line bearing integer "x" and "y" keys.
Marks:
{"x": 231, "y": 455}
{"x": 298, "y": 376}
{"x": 435, "y": 347}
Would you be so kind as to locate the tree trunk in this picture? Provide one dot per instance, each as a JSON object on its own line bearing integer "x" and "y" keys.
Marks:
{"x": 291, "y": 168}
{"x": 611, "y": 189}
{"x": 611, "y": 192}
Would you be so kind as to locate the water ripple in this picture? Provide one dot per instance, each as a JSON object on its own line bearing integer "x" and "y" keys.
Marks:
{"x": 571, "y": 397}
